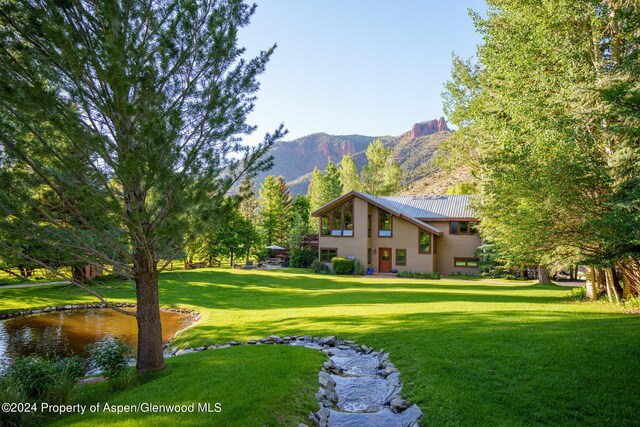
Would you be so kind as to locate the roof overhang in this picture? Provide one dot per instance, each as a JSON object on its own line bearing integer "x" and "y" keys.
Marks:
{"x": 351, "y": 194}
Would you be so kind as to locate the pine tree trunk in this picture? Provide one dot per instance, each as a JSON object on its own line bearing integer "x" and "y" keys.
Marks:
{"x": 150, "y": 355}
{"x": 592, "y": 289}
{"x": 543, "y": 274}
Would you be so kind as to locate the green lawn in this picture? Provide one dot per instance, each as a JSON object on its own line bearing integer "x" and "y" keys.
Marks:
{"x": 470, "y": 352}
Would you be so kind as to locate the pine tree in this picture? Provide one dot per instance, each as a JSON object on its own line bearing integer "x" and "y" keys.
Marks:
{"x": 275, "y": 210}
{"x": 120, "y": 123}
{"x": 249, "y": 203}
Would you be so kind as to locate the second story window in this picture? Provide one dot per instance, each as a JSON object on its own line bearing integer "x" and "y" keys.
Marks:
{"x": 339, "y": 221}
{"x": 385, "y": 226}
{"x": 347, "y": 215}
{"x": 324, "y": 225}
{"x": 463, "y": 227}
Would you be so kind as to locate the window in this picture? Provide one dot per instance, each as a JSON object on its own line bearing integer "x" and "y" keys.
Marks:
{"x": 336, "y": 222}
{"x": 463, "y": 227}
{"x": 369, "y": 256}
{"x": 326, "y": 254}
{"x": 324, "y": 225}
{"x": 384, "y": 223}
{"x": 369, "y": 226}
{"x": 347, "y": 215}
{"x": 424, "y": 244}
{"x": 401, "y": 257}
{"x": 465, "y": 262}
{"x": 339, "y": 221}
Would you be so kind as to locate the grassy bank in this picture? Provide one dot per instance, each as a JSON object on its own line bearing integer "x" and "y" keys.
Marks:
{"x": 470, "y": 352}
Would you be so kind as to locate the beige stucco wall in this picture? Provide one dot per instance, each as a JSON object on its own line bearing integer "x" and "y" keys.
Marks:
{"x": 351, "y": 246}
{"x": 454, "y": 246}
{"x": 405, "y": 236}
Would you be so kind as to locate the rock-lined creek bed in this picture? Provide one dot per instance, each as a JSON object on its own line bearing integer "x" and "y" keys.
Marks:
{"x": 358, "y": 386}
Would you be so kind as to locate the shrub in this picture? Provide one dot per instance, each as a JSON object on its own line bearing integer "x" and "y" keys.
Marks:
{"x": 342, "y": 266}
{"x": 319, "y": 267}
{"x": 632, "y": 302}
{"x": 578, "y": 294}
{"x": 303, "y": 258}
{"x": 415, "y": 275}
{"x": 111, "y": 355}
{"x": 358, "y": 268}
{"x": 43, "y": 380}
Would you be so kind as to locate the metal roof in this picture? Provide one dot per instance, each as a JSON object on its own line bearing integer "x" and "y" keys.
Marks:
{"x": 416, "y": 209}
{"x": 429, "y": 207}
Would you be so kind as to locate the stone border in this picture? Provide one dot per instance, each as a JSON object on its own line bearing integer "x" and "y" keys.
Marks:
{"x": 68, "y": 307}
{"x": 406, "y": 415}
{"x": 395, "y": 409}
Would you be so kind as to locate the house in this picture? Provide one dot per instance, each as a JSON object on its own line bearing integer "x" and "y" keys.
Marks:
{"x": 406, "y": 233}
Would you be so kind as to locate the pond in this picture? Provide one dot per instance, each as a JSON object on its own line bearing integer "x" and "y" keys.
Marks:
{"x": 63, "y": 333}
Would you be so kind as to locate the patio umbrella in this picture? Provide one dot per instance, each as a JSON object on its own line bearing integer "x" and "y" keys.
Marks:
{"x": 275, "y": 247}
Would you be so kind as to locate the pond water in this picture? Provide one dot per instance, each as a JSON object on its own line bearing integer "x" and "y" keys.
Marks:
{"x": 63, "y": 333}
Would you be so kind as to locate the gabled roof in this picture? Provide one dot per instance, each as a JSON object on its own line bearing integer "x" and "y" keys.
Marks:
{"x": 409, "y": 208}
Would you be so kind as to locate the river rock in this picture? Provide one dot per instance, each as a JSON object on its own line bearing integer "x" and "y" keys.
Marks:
{"x": 356, "y": 365}
{"x": 411, "y": 416}
{"x": 382, "y": 418}
{"x": 326, "y": 381}
{"x": 362, "y": 394}
{"x": 329, "y": 341}
{"x": 398, "y": 404}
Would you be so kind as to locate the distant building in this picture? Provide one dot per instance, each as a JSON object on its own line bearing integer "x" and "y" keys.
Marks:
{"x": 406, "y": 233}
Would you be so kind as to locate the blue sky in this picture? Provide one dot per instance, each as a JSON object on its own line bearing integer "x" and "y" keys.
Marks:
{"x": 369, "y": 67}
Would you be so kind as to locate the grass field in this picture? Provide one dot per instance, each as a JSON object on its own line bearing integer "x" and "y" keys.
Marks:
{"x": 470, "y": 352}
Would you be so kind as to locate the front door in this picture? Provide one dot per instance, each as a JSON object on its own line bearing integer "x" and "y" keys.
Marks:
{"x": 384, "y": 261}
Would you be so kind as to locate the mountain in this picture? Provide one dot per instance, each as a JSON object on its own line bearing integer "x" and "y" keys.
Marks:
{"x": 414, "y": 149}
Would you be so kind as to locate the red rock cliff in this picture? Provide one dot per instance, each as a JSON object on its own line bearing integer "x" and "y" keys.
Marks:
{"x": 427, "y": 128}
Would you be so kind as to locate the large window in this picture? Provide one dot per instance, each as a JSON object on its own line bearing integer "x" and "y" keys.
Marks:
{"x": 347, "y": 215}
{"x": 401, "y": 257}
{"x": 324, "y": 225}
{"x": 326, "y": 254}
{"x": 465, "y": 262}
{"x": 463, "y": 227}
{"x": 424, "y": 244}
{"x": 385, "y": 224}
{"x": 339, "y": 221}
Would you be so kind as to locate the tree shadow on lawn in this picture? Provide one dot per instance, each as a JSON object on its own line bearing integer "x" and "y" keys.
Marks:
{"x": 516, "y": 368}
{"x": 507, "y": 367}
{"x": 219, "y": 290}
{"x": 255, "y": 386}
